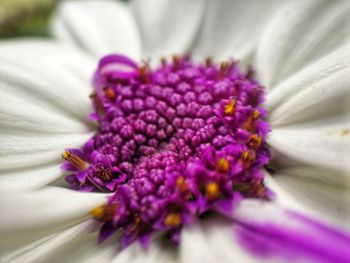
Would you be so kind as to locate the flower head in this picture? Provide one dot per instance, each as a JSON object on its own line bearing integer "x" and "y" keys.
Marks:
{"x": 173, "y": 143}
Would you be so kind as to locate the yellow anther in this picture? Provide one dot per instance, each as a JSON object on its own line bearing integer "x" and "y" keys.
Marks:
{"x": 247, "y": 158}
{"x": 222, "y": 165}
{"x": 251, "y": 122}
{"x": 254, "y": 141}
{"x": 110, "y": 94}
{"x": 75, "y": 160}
{"x": 212, "y": 190}
{"x": 230, "y": 107}
{"x": 173, "y": 219}
{"x": 98, "y": 212}
{"x": 180, "y": 182}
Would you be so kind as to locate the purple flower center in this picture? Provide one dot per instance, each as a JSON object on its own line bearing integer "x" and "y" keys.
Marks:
{"x": 173, "y": 144}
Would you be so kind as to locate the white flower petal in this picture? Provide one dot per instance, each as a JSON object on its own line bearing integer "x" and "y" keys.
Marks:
{"x": 44, "y": 209}
{"x": 219, "y": 233}
{"x": 100, "y": 27}
{"x": 317, "y": 144}
{"x": 158, "y": 251}
{"x": 29, "y": 178}
{"x": 74, "y": 244}
{"x": 322, "y": 193}
{"x": 29, "y": 80}
{"x": 167, "y": 26}
{"x": 26, "y": 150}
{"x": 328, "y": 96}
{"x": 231, "y": 28}
{"x": 194, "y": 247}
{"x": 300, "y": 33}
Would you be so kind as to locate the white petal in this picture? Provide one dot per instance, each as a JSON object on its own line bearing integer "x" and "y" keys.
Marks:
{"x": 23, "y": 150}
{"x": 31, "y": 82}
{"x": 226, "y": 247}
{"x": 320, "y": 99}
{"x": 99, "y": 27}
{"x": 74, "y": 244}
{"x": 44, "y": 209}
{"x": 231, "y": 28}
{"x": 316, "y": 144}
{"x": 158, "y": 251}
{"x": 301, "y": 33}
{"x": 321, "y": 192}
{"x": 29, "y": 178}
{"x": 167, "y": 26}
{"x": 194, "y": 247}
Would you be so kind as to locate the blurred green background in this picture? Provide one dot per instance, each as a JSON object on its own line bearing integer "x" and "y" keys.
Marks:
{"x": 25, "y": 17}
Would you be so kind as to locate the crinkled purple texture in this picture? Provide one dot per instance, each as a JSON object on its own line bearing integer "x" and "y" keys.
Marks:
{"x": 173, "y": 143}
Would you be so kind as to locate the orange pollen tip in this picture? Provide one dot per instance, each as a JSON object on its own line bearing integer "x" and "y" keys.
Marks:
{"x": 98, "y": 212}
{"x": 208, "y": 61}
{"x": 230, "y": 107}
{"x": 212, "y": 190}
{"x": 254, "y": 141}
{"x": 251, "y": 123}
{"x": 176, "y": 61}
{"x": 110, "y": 94}
{"x": 143, "y": 71}
{"x": 222, "y": 165}
{"x": 224, "y": 68}
{"x": 173, "y": 219}
{"x": 247, "y": 158}
{"x": 75, "y": 160}
{"x": 180, "y": 182}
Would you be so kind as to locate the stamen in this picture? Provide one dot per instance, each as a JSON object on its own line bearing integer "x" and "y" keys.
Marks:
{"x": 173, "y": 220}
{"x": 253, "y": 119}
{"x": 248, "y": 158}
{"x": 222, "y": 165}
{"x": 110, "y": 94}
{"x": 208, "y": 62}
{"x": 176, "y": 62}
{"x": 212, "y": 190}
{"x": 223, "y": 70}
{"x": 75, "y": 160}
{"x": 254, "y": 141}
{"x": 143, "y": 71}
{"x": 230, "y": 107}
{"x": 105, "y": 175}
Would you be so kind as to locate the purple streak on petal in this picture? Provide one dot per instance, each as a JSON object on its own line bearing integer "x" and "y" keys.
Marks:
{"x": 304, "y": 239}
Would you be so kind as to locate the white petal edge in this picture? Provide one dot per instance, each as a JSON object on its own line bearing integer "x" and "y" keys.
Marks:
{"x": 320, "y": 145}
{"x": 167, "y": 26}
{"x": 77, "y": 243}
{"x": 329, "y": 96}
{"x": 158, "y": 251}
{"x": 321, "y": 193}
{"x": 232, "y": 28}
{"x": 194, "y": 246}
{"x": 99, "y": 27}
{"x": 44, "y": 209}
{"x": 300, "y": 33}
{"x": 329, "y": 65}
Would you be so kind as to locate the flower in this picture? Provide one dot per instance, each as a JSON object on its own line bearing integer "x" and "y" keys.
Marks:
{"x": 309, "y": 124}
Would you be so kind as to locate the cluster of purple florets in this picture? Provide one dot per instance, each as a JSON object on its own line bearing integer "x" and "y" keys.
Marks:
{"x": 173, "y": 143}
